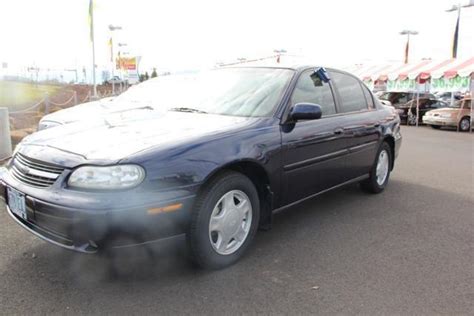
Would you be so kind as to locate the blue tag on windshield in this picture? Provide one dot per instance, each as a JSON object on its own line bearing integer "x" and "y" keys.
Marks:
{"x": 322, "y": 74}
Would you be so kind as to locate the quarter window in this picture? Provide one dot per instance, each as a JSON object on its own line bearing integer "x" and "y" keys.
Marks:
{"x": 350, "y": 92}
{"x": 311, "y": 90}
{"x": 368, "y": 97}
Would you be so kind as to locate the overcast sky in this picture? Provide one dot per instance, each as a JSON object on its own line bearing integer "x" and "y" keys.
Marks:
{"x": 189, "y": 34}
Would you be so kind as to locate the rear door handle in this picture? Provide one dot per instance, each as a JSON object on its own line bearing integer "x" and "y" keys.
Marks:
{"x": 338, "y": 131}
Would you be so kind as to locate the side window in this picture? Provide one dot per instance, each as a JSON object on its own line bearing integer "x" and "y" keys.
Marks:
{"x": 307, "y": 90}
{"x": 368, "y": 97}
{"x": 436, "y": 104}
{"x": 467, "y": 104}
{"x": 350, "y": 92}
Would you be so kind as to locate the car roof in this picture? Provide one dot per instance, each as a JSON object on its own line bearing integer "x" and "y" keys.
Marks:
{"x": 291, "y": 66}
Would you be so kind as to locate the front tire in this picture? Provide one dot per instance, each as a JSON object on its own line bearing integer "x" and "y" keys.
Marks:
{"x": 380, "y": 173}
{"x": 224, "y": 221}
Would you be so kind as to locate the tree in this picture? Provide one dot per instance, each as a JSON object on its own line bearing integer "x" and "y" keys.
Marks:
{"x": 154, "y": 74}
{"x": 147, "y": 76}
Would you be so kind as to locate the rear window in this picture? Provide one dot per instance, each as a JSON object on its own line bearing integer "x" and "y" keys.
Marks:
{"x": 350, "y": 91}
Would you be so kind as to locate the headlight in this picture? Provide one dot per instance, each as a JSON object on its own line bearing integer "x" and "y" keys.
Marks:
{"x": 47, "y": 124}
{"x": 107, "y": 178}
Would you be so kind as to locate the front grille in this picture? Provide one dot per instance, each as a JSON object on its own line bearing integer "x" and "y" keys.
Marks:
{"x": 33, "y": 172}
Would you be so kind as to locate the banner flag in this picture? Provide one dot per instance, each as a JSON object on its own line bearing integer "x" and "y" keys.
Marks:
{"x": 407, "y": 47}
{"x": 455, "y": 39}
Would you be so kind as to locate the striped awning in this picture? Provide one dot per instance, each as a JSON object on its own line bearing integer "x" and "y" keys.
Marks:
{"x": 421, "y": 70}
{"x": 394, "y": 74}
{"x": 451, "y": 69}
{"x": 375, "y": 73}
{"x": 463, "y": 70}
{"x": 383, "y": 75}
{"x": 425, "y": 72}
{"x": 404, "y": 74}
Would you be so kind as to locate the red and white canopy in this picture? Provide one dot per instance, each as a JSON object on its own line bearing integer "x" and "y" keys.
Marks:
{"x": 425, "y": 72}
{"x": 421, "y": 70}
{"x": 383, "y": 74}
{"x": 465, "y": 69}
{"x": 383, "y": 70}
{"x": 413, "y": 69}
{"x": 404, "y": 68}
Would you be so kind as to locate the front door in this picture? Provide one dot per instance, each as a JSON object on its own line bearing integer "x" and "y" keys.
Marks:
{"x": 314, "y": 150}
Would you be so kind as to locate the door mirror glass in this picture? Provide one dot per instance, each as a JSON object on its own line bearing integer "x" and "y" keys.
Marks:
{"x": 305, "y": 111}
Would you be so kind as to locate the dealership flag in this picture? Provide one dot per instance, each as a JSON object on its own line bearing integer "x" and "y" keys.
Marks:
{"x": 111, "y": 44}
{"x": 455, "y": 39}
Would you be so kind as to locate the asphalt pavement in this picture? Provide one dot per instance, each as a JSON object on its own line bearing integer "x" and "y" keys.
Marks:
{"x": 409, "y": 250}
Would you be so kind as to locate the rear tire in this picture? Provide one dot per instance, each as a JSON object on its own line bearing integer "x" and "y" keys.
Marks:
{"x": 380, "y": 172}
{"x": 224, "y": 221}
{"x": 465, "y": 124}
{"x": 411, "y": 120}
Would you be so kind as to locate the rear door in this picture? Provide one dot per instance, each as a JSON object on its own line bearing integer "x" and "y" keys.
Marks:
{"x": 361, "y": 126}
{"x": 314, "y": 150}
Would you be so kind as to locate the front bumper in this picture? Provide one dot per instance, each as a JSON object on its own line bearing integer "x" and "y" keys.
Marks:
{"x": 93, "y": 223}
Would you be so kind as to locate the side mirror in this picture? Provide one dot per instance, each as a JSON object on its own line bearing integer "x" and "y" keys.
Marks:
{"x": 305, "y": 111}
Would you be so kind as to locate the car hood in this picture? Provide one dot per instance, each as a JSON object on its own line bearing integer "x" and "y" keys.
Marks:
{"x": 90, "y": 109}
{"x": 119, "y": 135}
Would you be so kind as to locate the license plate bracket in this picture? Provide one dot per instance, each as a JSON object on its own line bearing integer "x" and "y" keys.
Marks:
{"x": 16, "y": 203}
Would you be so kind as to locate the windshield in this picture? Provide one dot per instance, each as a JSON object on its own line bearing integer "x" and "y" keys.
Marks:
{"x": 395, "y": 97}
{"x": 232, "y": 91}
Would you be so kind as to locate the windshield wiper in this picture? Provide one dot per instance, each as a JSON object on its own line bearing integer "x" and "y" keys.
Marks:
{"x": 189, "y": 110}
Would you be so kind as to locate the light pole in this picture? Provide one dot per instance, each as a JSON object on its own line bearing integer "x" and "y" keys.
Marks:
{"x": 407, "y": 47}
{"x": 279, "y": 52}
{"x": 113, "y": 28}
{"x": 454, "y": 53}
{"x": 456, "y": 30}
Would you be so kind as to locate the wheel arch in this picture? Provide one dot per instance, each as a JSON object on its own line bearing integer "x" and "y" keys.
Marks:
{"x": 259, "y": 176}
{"x": 390, "y": 140}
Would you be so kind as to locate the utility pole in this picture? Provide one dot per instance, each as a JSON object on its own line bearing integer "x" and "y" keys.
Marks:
{"x": 91, "y": 17}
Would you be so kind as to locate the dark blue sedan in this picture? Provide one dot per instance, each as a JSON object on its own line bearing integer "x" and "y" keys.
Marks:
{"x": 211, "y": 156}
